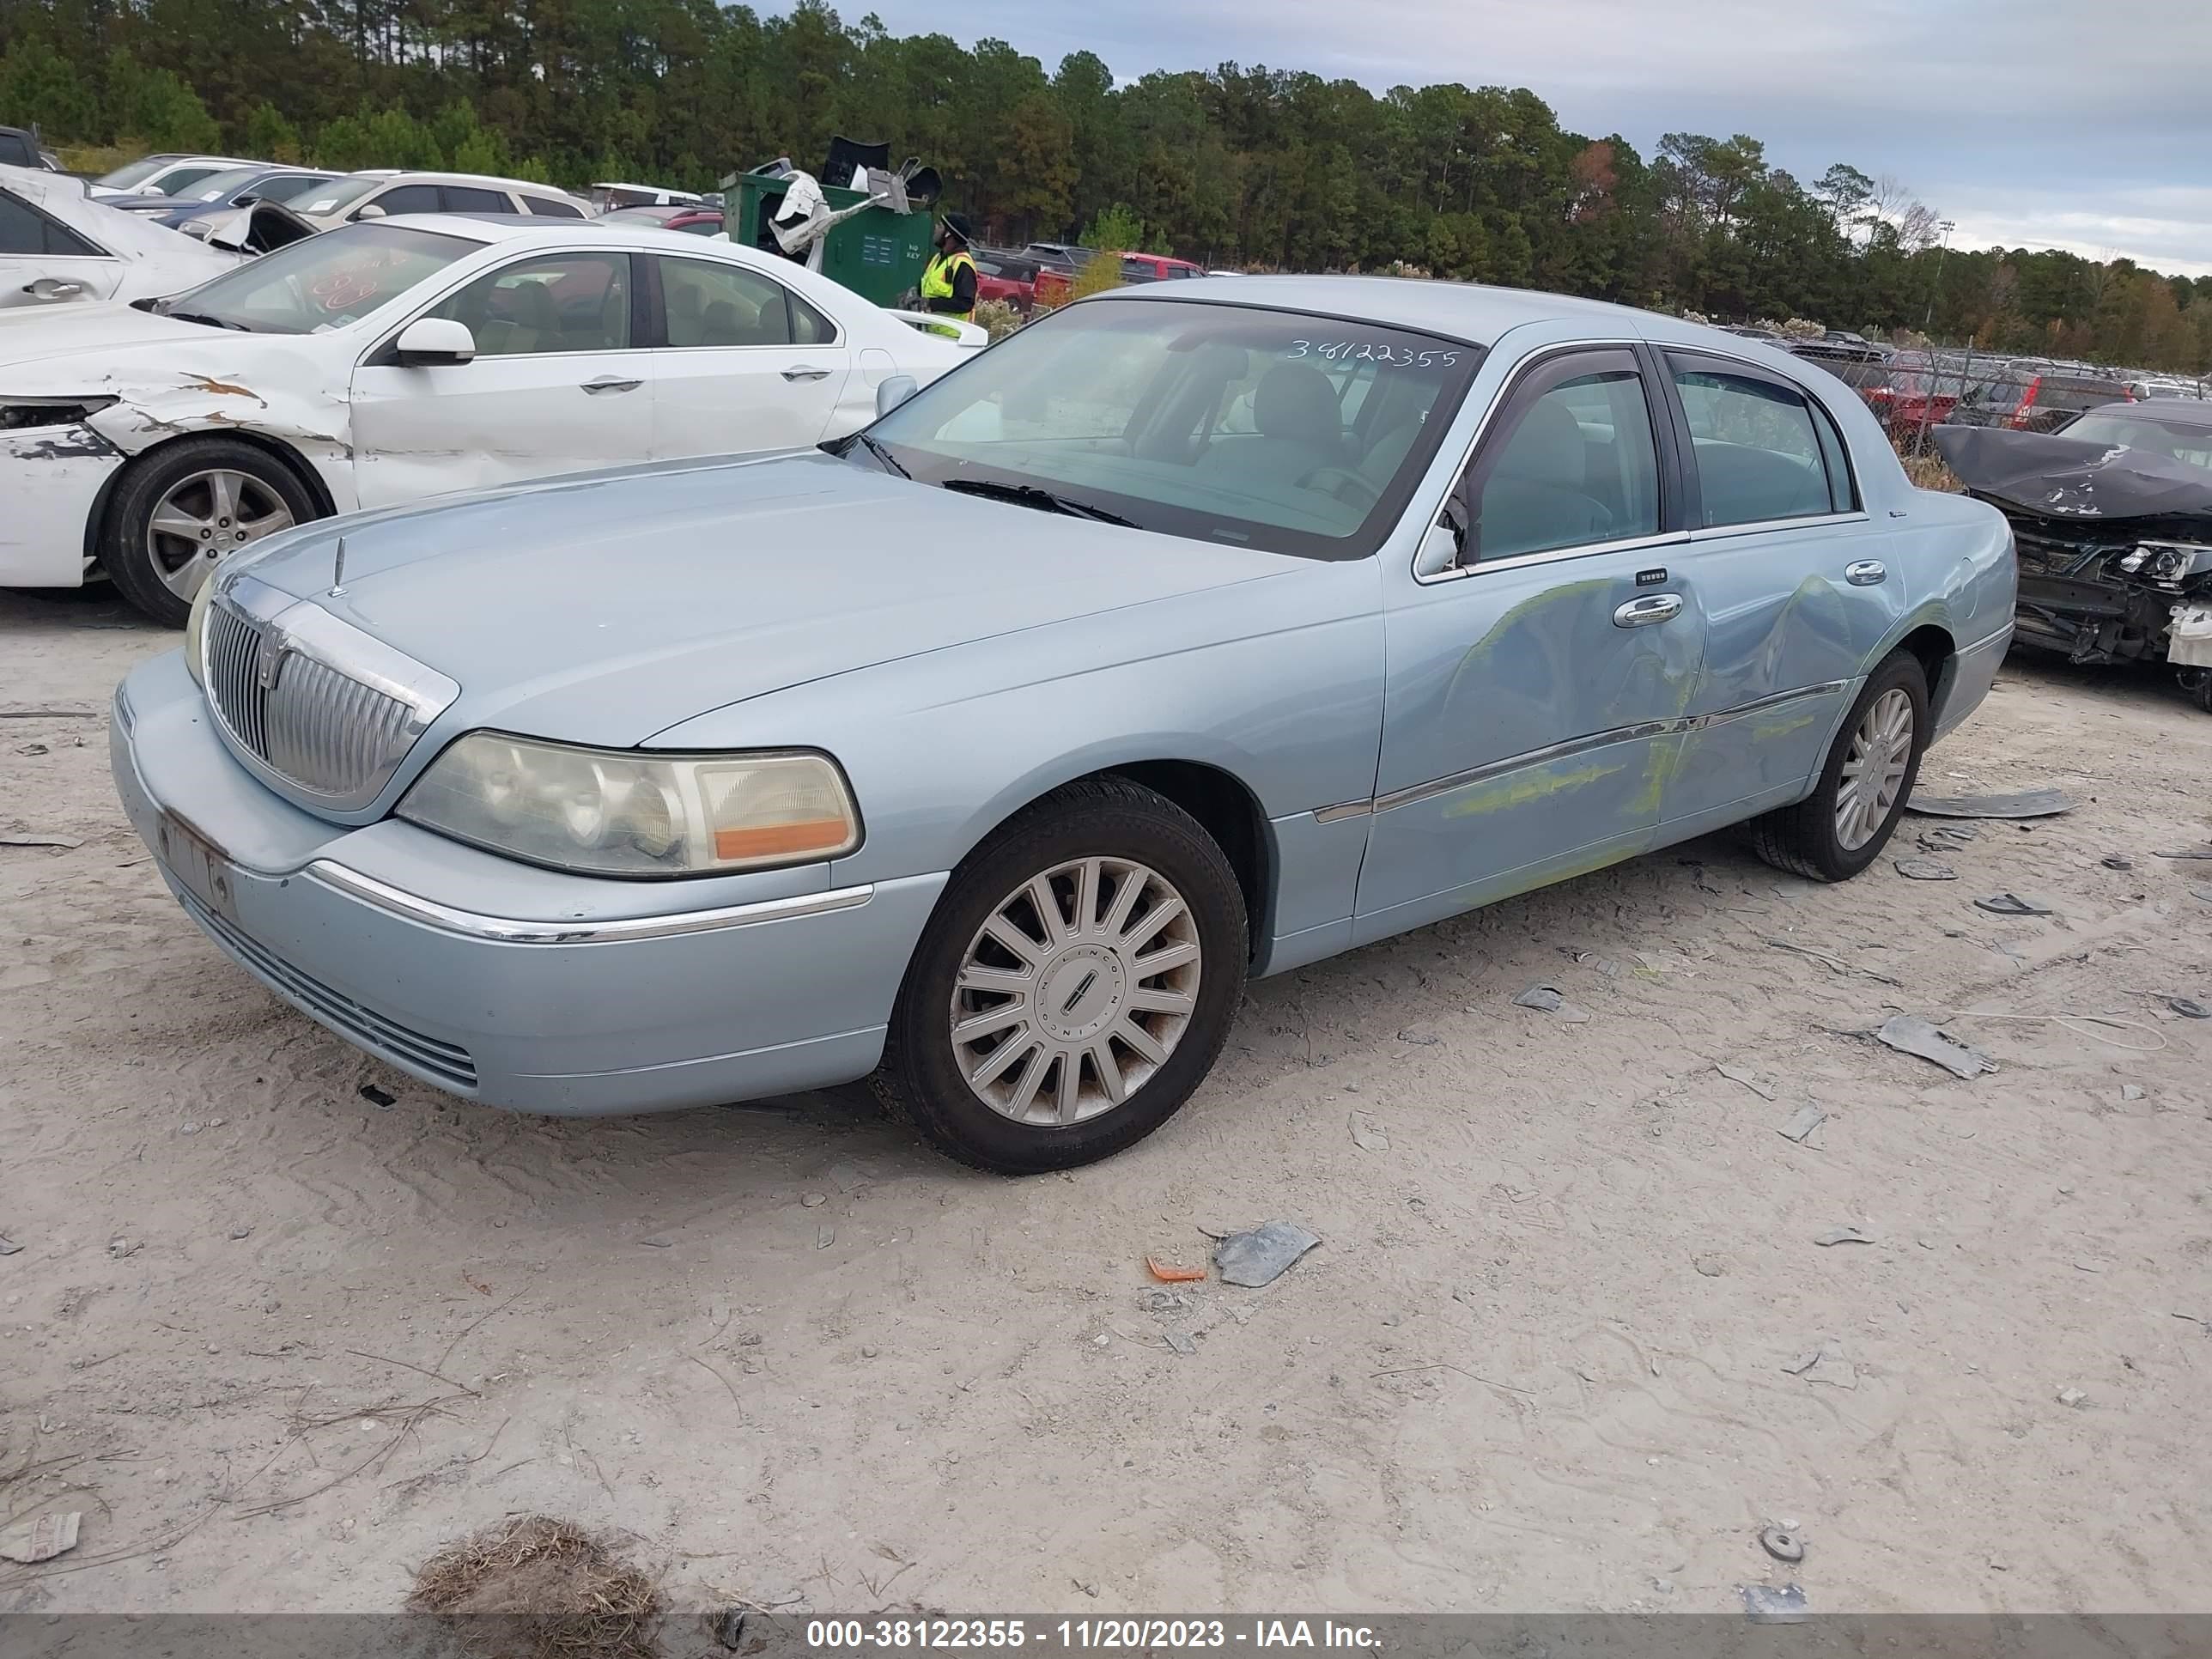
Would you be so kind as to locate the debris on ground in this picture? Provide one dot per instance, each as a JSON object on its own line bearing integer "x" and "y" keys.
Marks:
{"x": 9, "y": 1246}
{"x": 2027, "y": 804}
{"x": 2114, "y": 862}
{"x": 1549, "y": 999}
{"x": 1173, "y": 1273}
{"x": 846, "y": 1177}
{"x": 1764, "y": 1605}
{"x": 1844, "y": 1236}
{"x": 555, "y": 1587}
{"x": 2203, "y": 852}
{"x": 2012, "y": 904}
{"x": 1782, "y": 1544}
{"x": 2072, "y": 1396}
{"x": 33, "y": 749}
{"x": 2130, "y": 1091}
{"x": 1807, "y": 1118}
{"x": 1259, "y": 1257}
{"x": 1746, "y": 1079}
{"x": 1164, "y": 1302}
{"x": 813, "y": 1200}
{"x": 1709, "y": 1266}
{"x": 40, "y": 1540}
{"x": 1926, "y": 870}
{"x": 375, "y": 1095}
{"x": 2189, "y": 1008}
{"x": 1909, "y": 1033}
{"x": 1367, "y": 1135}
{"x": 1825, "y": 1364}
{"x": 1420, "y": 1039}
{"x": 63, "y": 841}
{"x": 1834, "y": 962}
{"x": 1181, "y": 1341}
{"x": 728, "y": 1628}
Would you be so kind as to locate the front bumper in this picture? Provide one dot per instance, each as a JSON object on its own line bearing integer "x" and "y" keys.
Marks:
{"x": 52, "y": 479}
{"x": 551, "y": 1005}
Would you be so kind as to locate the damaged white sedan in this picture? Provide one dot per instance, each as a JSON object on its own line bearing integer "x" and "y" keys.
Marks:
{"x": 410, "y": 356}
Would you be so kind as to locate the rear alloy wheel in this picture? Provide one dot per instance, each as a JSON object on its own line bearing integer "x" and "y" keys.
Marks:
{"x": 185, "y": 507}
{"x": 1843, "y": 826}
{"x": 1074, "y": 986}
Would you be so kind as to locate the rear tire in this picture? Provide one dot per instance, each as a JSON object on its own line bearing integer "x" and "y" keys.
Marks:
{"x": 1843, "y": 826}
{"x": 178, "y": 510}
{"x": 1021, "y": 1044}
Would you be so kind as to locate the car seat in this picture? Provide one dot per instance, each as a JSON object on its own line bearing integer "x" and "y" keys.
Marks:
{"x": 528, "y": 320}
{"x": 1537, "y": 494}
{"x": 1294, "y": 409}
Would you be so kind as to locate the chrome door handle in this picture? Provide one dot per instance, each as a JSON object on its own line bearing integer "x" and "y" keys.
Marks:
{"x": 805, "y": 372}
{"x": 1865, "y": 573}
{"x": 1652, "y": 608}
{"x": 595, "y": 387}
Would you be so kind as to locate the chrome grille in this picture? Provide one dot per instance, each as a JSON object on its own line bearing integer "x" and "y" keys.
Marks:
{"x": 319, "y": 705}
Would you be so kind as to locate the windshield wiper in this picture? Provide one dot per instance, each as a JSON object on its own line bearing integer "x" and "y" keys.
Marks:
{"x": 877, "y": 448}
{"x": 212, "y": 322}
{"x": 1042, "y": 500}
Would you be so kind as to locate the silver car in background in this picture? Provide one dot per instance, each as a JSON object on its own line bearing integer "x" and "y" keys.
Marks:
{"x": 1197, "y": 632}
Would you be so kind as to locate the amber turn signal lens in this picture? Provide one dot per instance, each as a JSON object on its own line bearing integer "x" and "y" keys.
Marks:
{"x": 782, "y": 840}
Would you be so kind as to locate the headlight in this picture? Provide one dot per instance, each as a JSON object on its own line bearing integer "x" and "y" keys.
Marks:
{"x": 196, "y": 627}
{"x": 618, "y": 812}
{"x": 2169, "y": 561}
{"x": 23, "y": 414}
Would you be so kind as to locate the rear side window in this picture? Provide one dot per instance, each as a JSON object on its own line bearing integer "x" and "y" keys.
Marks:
{"x": 545, "y": 208}
{"x": 1763, "y": 450}
{"x": 24, "y": 230}
{"x": 808, "y": 325}
{"x": 470, "y": 198}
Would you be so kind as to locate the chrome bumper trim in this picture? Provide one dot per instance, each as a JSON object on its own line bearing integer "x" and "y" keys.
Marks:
{"x": 506, "y": 930}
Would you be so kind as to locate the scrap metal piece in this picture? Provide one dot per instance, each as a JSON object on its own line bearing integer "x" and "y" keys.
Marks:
{"x": 1844, "y": 1236}
{"x": 2012, "y": 904}
{"x": 1764, "y": 1606}
{"x": 1259, "y": 1257}
{"x": 2027, "y": 804}
{"x": 1909, "y": 1033}
{"x": 1808, "y": 1117}
{"x": 1925, "y": 870}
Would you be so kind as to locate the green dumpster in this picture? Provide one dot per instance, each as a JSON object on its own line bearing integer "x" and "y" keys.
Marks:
{"x": 878, "y": 254}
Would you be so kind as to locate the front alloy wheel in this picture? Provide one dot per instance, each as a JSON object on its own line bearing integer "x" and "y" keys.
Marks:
{"x": 204, "y": 515}
{"x": 1073, "y": 987}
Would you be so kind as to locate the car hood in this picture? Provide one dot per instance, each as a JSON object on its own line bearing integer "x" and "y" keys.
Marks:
{"x": 607, "y": 608}
{"x": 2052, "y": 476}
{"x": 110, "y": 347}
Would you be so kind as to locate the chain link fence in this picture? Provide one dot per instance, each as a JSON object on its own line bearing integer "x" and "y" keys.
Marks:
{"x": 1912, "y": 390}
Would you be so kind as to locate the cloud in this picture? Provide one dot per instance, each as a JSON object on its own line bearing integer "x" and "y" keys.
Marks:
{"x": 2074, "y": 123}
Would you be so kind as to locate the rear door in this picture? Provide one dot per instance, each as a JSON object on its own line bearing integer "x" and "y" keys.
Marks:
{"x": 44, "y": 262}
{"x": 1536, "y": 689}
{"x": 1795, "y": 596}
{"x": 559, "y": 384}
{"x": 744, "y": 363}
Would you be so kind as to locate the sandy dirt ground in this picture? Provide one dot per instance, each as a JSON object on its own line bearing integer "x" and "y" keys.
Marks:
{"x": 279, "y": 1343}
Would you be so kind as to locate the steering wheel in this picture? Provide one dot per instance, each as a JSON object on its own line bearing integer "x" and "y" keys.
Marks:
{"x": 1349, "y": 487}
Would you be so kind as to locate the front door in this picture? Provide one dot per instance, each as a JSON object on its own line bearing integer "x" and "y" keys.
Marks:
{"x": 1537, "y": 688}
{"x": 748, "y": 364}
{"x": 556, "y": 385}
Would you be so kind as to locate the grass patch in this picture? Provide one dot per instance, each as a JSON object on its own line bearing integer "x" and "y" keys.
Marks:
{"x": 536, "y": 1587}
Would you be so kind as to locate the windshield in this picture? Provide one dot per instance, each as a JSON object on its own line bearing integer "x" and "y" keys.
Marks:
{"x": 1263, "y": 428}
{"x": 322, "y": 281}
{"x": 132, "y": 172}
{"x": 339, "y": 194}
{"x": 218, "y": 186}
{"x": 2172, "y": 438}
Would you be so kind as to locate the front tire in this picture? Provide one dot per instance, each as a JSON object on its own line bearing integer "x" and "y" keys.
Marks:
{"x": 1843, "y": 825}
{"x": 1073, "y": 987}
{"x": 180, "y": 509}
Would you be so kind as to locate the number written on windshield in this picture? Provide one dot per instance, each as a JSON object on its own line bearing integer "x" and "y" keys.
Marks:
{"x": 1371, "y": 351}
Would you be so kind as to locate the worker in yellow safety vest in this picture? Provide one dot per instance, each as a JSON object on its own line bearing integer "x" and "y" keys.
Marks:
{"x": 948, "y": 283}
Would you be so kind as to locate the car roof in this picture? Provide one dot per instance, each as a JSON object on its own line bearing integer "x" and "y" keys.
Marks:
{"x": 492, "y": 229}
{"x": 1459, "y": 311}
{"x": 434, "y": 176}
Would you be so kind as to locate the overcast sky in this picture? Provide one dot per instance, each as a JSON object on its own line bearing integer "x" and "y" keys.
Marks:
{"x": 2077, "y": 123}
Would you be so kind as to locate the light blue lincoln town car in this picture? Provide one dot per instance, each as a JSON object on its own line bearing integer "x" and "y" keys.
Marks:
{"x": 1195, "y": 632}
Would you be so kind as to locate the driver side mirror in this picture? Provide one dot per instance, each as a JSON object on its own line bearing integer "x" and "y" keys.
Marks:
{"x": 894, "y": 392}
{"x": 428, "y": 342}
{"x": 1441, "y": 548}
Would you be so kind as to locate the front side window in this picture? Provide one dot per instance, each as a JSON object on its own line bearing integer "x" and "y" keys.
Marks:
{"x": 712, "y": 304}
{"x": 25, "y": 230}
{"x": 564, "y": 302}
{"x": 1575, "y": 465}
{"x": 219, "y": 187}
{"x": 339, "y": 194}
{"x": 1217, "y": 423}
{"x": 180, "y": 182}
{"x": 1762, "y": 452}
{"x": 322, "y": 281}
{"x": 408, "y": 198}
